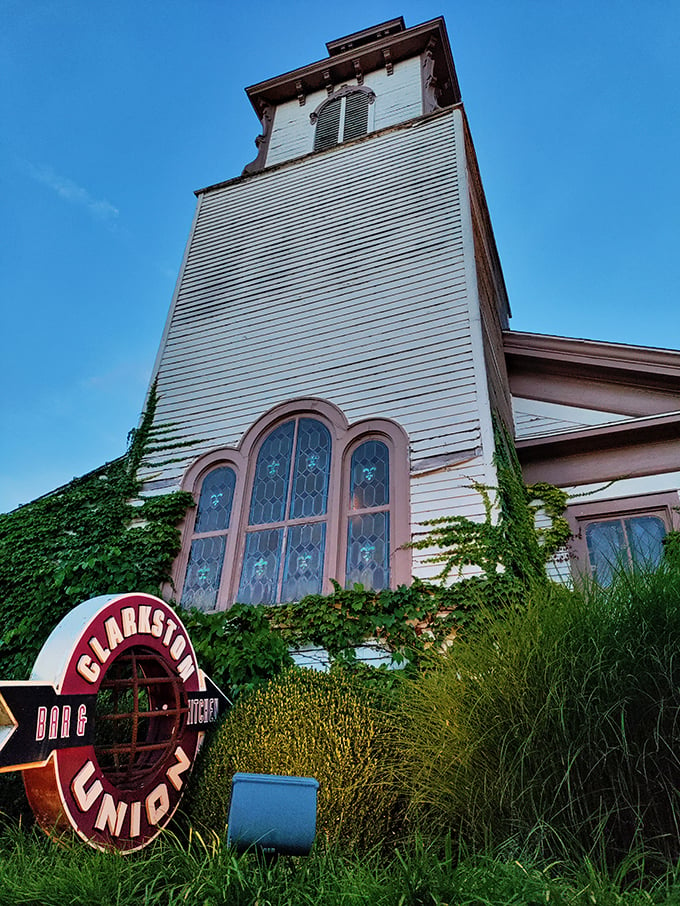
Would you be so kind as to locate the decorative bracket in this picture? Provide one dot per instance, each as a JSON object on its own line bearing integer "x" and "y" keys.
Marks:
{"x": 262, "y": 141}
{"x": 430, "y": 86}
{"x": 300, "y": 94}
{"x": 387, "y": 57}
{"x": 357, "y": 71}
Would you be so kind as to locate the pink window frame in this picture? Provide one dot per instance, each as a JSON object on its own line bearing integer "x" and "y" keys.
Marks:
{"x": 345, "y": 438}
{"x": 663, "y": 504}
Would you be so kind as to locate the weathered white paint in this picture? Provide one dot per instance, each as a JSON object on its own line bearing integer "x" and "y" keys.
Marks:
{"x": 397, "y": 98}
{"x": 344, "y": 276}
{"x": 535, "y": 417}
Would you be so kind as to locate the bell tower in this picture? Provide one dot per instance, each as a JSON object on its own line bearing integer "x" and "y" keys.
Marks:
{"x": 344, "y": 288}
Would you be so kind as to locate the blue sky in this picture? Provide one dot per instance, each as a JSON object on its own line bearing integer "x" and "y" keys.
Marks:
{"x": 114, "y": 113}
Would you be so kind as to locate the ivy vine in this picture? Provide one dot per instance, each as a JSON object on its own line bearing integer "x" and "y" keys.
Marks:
{"x": 85, "y": 539}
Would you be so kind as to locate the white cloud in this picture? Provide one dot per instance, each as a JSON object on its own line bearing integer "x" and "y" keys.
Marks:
{"x": 72, "y": 192}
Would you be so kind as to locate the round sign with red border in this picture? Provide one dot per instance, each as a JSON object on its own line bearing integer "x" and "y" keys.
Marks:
{"x": 108, "y": 728}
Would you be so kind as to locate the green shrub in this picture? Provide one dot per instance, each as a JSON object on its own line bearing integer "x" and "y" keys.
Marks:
{"x": 559, "y": 721}
{"x": 309, "y": 724}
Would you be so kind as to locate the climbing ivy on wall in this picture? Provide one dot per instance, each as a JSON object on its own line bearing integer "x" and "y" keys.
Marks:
{"x": 85, "y": 539}
{"x": 95, "y": 536}
{"x": 509, "y": 541}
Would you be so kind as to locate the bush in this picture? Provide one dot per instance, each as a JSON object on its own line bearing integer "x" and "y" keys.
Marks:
{"x": 560, "y": 722}
{"x": 309, "y": 724}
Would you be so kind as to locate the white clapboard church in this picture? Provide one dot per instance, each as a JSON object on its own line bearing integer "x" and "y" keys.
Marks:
{"x": 337, "y": 349}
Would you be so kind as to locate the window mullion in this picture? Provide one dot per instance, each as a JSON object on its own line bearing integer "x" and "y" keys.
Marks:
{"x": 341, "y": 124}
{"x": 286, "y": 512}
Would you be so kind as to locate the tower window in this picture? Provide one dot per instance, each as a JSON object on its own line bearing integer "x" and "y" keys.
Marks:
{"x": 342, "y": 117}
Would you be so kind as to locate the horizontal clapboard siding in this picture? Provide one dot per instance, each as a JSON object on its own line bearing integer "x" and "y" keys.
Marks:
{"x": 398, "y": 98}
{"x": 340, "y": 276}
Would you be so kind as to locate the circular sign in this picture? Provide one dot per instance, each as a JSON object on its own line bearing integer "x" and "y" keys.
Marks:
{"x": 125, "y": 725}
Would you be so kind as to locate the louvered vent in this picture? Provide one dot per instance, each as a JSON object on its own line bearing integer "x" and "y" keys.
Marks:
{"x": 356, "y": 116}
{"x": 328, "y": 126}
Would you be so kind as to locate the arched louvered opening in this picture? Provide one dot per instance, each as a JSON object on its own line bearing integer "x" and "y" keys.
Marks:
{"x": 342, "y": 118}
{"x": 328, "y": 125}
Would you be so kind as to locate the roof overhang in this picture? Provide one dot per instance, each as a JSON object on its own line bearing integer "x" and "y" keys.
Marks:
{"x": 365, "y": 52}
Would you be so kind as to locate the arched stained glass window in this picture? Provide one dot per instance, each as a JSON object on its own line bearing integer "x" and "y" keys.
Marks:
{"x": 303, "y": 499}
{"x": 286, "y": 534}
{"x": 213, "y": 515}
{"x": 368, "y": 528}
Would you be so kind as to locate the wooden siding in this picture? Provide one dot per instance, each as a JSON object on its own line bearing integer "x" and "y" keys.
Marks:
{"x": 341, "y": 276}
{"x": 397, "y": 98}
{"x": 493, "y": 299}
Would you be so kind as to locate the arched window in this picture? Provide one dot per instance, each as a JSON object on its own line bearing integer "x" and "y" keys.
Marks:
{"x": 286, "y": 533}
{"x": 206, "y": 555}
{"x": 368, "y": 522}
{"x": 342, "y": 117}
{"x": 304, "y": 499}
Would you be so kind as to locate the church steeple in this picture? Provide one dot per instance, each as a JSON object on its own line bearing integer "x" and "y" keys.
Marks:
{"x": 398, "y": 72}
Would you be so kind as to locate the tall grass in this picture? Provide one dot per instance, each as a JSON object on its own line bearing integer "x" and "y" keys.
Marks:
{"x": 558, "y": 724}
{"x": 34, "y": 871}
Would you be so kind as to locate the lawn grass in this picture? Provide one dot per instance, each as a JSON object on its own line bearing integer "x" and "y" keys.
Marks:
{"x": 203, "y": 872}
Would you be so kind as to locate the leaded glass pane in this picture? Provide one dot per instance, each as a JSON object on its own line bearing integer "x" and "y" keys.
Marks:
{"x": 368, "y": 546}
{"x": 312, "y": 468}
{"x": 260, "y": 573}
{"x": 203, "y": 573}
{"x": 370, "y": 476}
{"x": 606, "y": 549}
{"x": 270, "y": 487}
{"x": 303, "y": 570}
{"x": 645, "y": 536}
{"x": 214, "y": 504}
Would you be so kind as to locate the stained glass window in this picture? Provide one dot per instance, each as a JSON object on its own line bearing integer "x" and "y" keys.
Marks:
{"x": 214, "y": 504}
{"x": 301, "y": 502}
{"x": 368, "y": 546}
{"x": 213, "y": 515}
{"x": 259, "y": 576}
{"x": 289, "y": 494}
{"x": 272, "y": 475}
{"x": 312, "y": 469}
{"x": 368, "y": 530}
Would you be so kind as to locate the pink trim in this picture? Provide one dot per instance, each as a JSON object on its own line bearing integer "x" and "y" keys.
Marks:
{"x": 664, "y": 505}
{"x": 609, "y": 377}
{"x": 647, "y": 446}
{"x": 243, "y": 459}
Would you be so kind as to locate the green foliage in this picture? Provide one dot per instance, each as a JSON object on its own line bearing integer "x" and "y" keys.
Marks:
{"x": 309, "y": 724}
{"x": 557, "y": 722}
{"x": 237, "y": 648}
{"x": 204, "y": 872}
{"x": 82, "y": 540}
{"x": 508, "y": 540}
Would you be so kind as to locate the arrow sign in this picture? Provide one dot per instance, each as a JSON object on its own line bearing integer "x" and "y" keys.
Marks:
{"x": 206, "y": 708}
{"x": 35, "y": 720}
